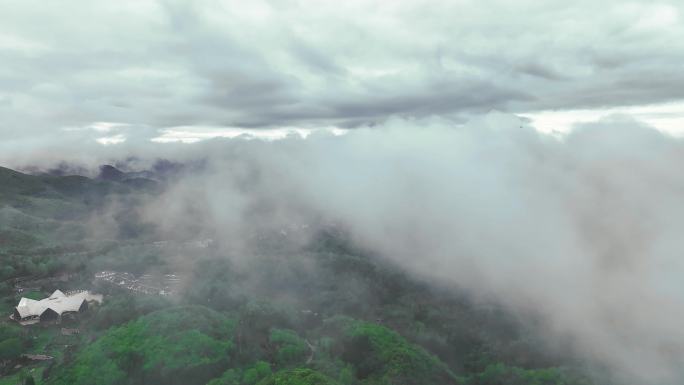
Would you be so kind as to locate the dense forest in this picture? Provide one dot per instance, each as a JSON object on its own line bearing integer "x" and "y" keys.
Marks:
{"x": 323, "y": 312}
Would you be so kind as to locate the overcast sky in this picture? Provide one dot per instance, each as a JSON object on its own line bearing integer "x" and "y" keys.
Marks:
{"x": 118, "y": 71}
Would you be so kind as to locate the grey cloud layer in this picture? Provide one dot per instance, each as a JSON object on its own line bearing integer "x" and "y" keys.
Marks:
{"x": 159, "y": 64}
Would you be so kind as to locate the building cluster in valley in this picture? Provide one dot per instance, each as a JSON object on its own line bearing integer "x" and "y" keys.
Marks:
{"x": 28, "y": 284}
{"x": 164, "y": 285}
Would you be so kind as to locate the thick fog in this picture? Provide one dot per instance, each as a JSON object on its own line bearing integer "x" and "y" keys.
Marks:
{"x": 583, "y": 230}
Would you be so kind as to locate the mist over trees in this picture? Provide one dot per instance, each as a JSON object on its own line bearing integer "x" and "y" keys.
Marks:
{"x": 480, "y": 254}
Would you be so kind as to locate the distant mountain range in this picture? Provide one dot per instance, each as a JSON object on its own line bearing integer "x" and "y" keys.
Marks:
{"x": 121, "y": 170}
{"x": 14, "y": 183}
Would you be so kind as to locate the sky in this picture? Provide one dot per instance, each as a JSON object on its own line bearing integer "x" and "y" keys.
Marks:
{"x": 483, "y": 139}
{"x": 163, "y": 71}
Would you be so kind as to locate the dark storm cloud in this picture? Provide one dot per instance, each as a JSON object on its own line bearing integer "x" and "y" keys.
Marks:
{"x": 161, "y": 64}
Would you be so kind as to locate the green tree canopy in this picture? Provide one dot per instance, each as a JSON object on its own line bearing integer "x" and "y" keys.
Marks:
{"x": 298, "y": 376}
{"x": 184, "y": 345}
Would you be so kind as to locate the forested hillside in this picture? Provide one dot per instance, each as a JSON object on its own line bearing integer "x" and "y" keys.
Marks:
{"x": 326, "y": 312}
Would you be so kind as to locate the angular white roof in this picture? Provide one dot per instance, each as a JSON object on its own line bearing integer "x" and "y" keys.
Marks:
{"x": 58, "y": 302}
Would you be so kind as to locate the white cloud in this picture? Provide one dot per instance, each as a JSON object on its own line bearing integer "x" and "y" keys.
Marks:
{"x": 193, "y": 134}
{"x": 666, "y": 117}
{"x": 109, "y": 140}
{"x": 658, "y": 17}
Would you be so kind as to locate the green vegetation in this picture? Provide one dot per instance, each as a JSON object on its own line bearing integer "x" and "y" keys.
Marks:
{"x": 12, "y": 342}
{"x": 298, "y": 377}
{"x": 290, "y": 348}
{"x": 186, "y": 345}
{"x": 501, "y": 374}
{"x": 381, "y": 356}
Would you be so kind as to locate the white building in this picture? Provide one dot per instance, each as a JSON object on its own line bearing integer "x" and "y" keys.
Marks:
{"x": 30, "y": 311}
